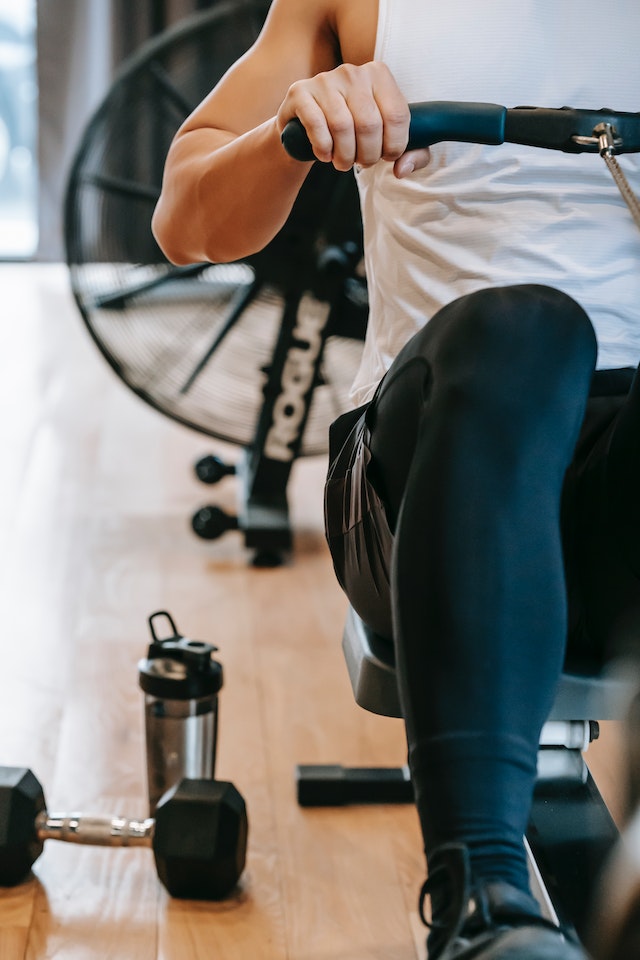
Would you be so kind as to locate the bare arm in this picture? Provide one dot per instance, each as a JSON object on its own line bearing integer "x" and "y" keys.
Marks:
{"x": 229, "y": 185}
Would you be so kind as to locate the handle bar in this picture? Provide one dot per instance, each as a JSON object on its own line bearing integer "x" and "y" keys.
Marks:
{"x": 566, "y": 129}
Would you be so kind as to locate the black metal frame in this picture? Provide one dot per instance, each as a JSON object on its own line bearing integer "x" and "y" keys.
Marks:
{"x": 315, "y": 254}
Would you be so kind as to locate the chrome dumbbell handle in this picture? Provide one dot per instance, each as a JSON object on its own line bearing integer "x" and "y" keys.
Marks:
{"x": 95, "y": 830}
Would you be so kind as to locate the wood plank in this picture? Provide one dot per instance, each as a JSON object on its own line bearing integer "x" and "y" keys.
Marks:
{"x": 16, "y": 918}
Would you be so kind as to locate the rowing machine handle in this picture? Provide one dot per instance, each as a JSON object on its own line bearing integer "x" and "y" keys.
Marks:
{"x": 431, "y": 122}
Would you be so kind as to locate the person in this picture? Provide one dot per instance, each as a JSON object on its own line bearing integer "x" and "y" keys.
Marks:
{"x": 481, "y": 503}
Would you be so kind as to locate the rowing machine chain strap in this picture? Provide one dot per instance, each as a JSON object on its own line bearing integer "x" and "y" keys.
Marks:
{"x": 604, "y": 136}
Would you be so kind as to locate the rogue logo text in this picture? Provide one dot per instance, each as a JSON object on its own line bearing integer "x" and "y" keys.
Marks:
{"x": 297, "y": 378}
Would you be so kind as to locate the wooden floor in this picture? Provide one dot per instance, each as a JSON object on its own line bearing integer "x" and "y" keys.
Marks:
{"x": 96, "y": 493}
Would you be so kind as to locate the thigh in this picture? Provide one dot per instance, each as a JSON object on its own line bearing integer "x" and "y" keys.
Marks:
{"x": 490, "y": 345}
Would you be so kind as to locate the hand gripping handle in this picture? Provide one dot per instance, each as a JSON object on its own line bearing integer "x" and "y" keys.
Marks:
{"x": 430, "y": 123}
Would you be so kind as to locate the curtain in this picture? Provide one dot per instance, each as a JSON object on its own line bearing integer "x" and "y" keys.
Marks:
{"x": 81, "y": 43}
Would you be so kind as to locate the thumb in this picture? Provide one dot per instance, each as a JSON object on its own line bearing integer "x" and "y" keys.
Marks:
{"x": 410, "y": 161}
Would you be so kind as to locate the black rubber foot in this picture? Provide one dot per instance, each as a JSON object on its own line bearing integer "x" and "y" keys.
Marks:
{"x": 211, "y": 522}
{"x": 267, "y": 558}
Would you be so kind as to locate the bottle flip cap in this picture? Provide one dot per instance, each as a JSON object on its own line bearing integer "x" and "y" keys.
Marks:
{"x": 177, "y": 668}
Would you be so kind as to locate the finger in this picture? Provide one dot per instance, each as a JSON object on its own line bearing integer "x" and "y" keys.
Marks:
{"x": 368, "y": 128}
{"x": 411, "y": 161}
{"x": 314, "y": 121}
{"x": 341, "y": 125}
{"x": 394, "y": 111}
{"x": 396, "y": 132}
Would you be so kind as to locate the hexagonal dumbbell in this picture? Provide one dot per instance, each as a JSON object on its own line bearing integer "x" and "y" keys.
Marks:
{"x": 198, "y": 836}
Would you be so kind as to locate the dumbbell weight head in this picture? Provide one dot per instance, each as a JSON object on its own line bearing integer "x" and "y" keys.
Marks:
{"x": 200, "y": 839}
{"x": 21, "y": 800}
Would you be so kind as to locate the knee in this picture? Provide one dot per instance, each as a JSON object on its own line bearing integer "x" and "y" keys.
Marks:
{"x": 542, "y": 321}
{"x": 516, "y": 355}
{"x": 527, "y": 337}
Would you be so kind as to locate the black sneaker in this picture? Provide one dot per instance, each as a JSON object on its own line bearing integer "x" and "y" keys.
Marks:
{"x": 486, "y": 920}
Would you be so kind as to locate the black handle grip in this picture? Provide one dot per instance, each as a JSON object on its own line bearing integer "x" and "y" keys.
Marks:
{"x": 438, "y": 120}
{"x": 296, "y": 142}
{"x": 431, "y": 122}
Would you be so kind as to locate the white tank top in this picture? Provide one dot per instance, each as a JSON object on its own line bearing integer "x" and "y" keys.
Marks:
{"x": 481, "y": 216}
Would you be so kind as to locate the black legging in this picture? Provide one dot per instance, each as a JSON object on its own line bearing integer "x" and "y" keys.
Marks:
{"x": 472, "y": 431}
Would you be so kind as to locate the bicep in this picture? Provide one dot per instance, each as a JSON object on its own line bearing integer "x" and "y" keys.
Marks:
{"x": 296, "y": 42}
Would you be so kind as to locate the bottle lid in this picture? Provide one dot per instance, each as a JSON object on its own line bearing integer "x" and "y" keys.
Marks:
{"x": 177, "y": 668}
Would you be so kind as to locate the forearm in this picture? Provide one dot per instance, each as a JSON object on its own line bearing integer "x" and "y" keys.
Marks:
{"x": 223, "y": 196}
